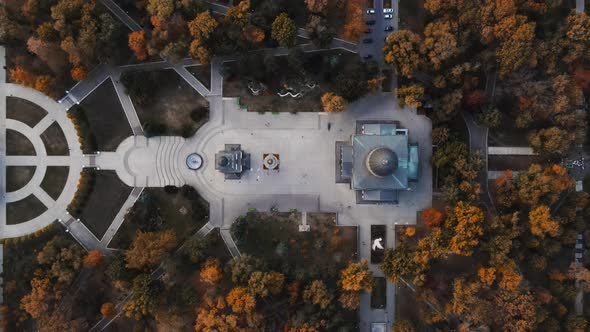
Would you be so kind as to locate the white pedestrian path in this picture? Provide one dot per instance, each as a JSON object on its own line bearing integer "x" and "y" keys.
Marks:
{"x": 511, "y": 150}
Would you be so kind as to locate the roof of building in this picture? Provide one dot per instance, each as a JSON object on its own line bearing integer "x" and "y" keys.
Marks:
{"x": 380, "y": 162}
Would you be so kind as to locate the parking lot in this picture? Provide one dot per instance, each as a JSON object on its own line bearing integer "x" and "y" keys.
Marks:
{"x": 372, "y": 42}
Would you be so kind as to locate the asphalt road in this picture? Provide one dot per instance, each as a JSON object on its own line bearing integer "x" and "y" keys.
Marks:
{"x": 378, "y": 33}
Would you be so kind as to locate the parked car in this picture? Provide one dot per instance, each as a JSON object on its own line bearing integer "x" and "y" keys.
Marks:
{"x": 367, "y": 41}
{"x": 368, "y": 30}
{"x": 371, "y": 11}
{"x": 368, "y": 56}
{"x": 388, "y": 16}
{"x": 389, "y": 28}
{"x": 388, "y": 10}
{"x": 371, "y": 22}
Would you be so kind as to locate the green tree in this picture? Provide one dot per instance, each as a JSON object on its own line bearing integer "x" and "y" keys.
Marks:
{"x": 284, "y": 30}
{"x": 144, "y": 297}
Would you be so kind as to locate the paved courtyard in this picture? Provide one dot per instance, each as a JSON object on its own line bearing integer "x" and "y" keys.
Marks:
{"x": 306, "y": 143}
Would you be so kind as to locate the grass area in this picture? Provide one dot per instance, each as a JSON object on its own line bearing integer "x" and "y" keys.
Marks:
{"x": 182, "y": 210}
{"x": 202, "y": 73}
{"x": 55, "y": 180}
{"x": 165, "y": 103}
{"x": 24, "y": 111}
{"x": 18, "y": 144}
{"x": 55, "y": 141}
{"x": 275, "y": 237}
{"x": 379, "y": 293}
{"x": 18, "y": 176}
{"x": 106, "y": 197}
{"x": 101, "y": 117}
{"x": 507, "y": 134}
{"x": 277, "y": 73}
{"x": 408, "y": 308}
{"x": 515, "y": 163}
{"x": 24, "y": 210}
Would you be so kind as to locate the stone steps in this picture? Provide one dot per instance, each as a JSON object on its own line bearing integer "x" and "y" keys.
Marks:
{"x": 167, "y": 161}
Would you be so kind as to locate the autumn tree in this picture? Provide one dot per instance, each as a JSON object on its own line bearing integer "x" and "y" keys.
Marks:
{"x": 149, "y": 249}
{"x": 317, "y": 293}
{"x": 402, "y": 50}
{"x": 439, "y": 44}
{"x": 202, "y": 26}
{"x": 107, "y": 309}
{"x": 212, "y": 316}
{"x": 553, "y": 140}
{"x": 46, "y": 85}
{"x": 242, "y": 267}
{"x": 316, "y": 6}
{"x": 238, "y": 15}
{"x": 241, "y": 300}
{"x": 78, "y": 73}
{"x": 137, "y": 43}
{"x": 284, "y": 30}
{"x": 432, "y": 217}
{"x": 355, "y": 22}
{"x": 93, "y": 259}
{"x": 411, "y": 95}
{"x": 333, "y": 103}
{"x": 539, "y": 185}
{"x": 22, "y": 76}
{"x": 144, "y": 297}
{"x": 401, "y": 325}
{"x": 266, "y": 283}
{"x": 37, "y": 302}
{"x": 211, "y": 272}
{"x": 541, "y": 222}
{"x": 357, "y": 276}
{"x": 399, "y": 262}
{"x": 466, "y": 222}
{"x": 162, "y": 9}
{"x": 349, "y": 300}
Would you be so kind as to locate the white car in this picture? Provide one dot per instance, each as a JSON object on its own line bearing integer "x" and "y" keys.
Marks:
{"x": 371, "y": 11}
{"x": 388, "y": 16}
{"x": 388, "y": 10}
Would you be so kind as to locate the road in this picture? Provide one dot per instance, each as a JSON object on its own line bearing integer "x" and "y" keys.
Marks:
{"x": 378, "y": 33}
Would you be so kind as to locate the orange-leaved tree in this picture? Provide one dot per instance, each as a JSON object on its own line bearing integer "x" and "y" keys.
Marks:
{"x": 211, "y": 272}
{"x": 357, "y": 276}
{"x": 333, "y": 103}
{"x": 107, "y": 309}
{"x": 93, "y": 259}
{"x": 137, "y": 43}
{"x": 149, "y": 249}
{"x": 432, "y": 217}
{"x": 78, "y": 73}
{"x": 241, "y": 300}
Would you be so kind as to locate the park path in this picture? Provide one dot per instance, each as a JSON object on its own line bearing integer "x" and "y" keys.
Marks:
{"x": 120, "y": 217}
{"x": 478, "y": 143}
{"x": 127, "y": 104}
{"x": 121, "y": 15}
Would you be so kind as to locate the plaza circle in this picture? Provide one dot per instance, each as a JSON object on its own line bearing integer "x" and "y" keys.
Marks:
{"x": 75, "y": 161}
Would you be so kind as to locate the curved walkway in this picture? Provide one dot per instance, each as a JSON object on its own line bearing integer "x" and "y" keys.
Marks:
{"x": 74, "y": 161}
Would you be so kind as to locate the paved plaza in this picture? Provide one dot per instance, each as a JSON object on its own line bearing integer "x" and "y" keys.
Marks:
{"x": 305, "y": 180}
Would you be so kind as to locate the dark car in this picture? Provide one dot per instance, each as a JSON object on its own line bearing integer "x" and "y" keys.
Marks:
{"x": 368, "y": 30}
{"x": 367, "y": 40}
{"x": 371, "y": 22}
{"x": 389, "y": 28}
